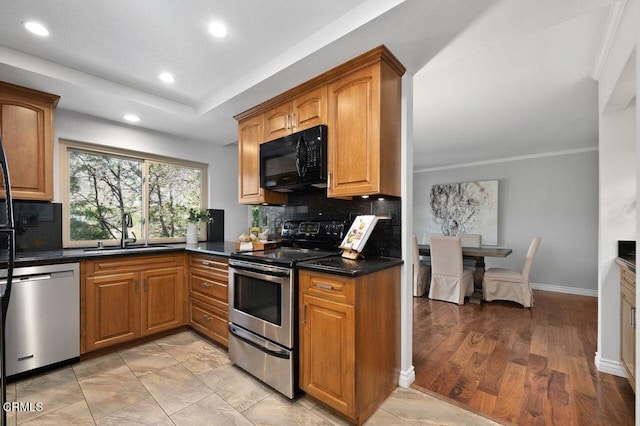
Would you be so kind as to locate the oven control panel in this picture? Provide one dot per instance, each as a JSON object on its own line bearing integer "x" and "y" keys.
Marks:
{"x": 325, "y": 229}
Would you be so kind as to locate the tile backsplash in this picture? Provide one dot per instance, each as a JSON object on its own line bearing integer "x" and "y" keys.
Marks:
{"x": 38, "y": 225}
{"x": 385, "y": 240}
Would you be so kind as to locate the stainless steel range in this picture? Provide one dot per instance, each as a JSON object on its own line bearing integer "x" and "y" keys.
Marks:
{"x": 262, "y": 301}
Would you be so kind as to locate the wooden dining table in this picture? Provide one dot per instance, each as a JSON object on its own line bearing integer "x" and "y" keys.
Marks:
{"x": 478, "y": 254}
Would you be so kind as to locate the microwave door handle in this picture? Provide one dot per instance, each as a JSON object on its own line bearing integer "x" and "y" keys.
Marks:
{"x": 301, "y": 157}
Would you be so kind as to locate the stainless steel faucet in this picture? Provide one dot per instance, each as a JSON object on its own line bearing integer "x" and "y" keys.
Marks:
{"x": 127, "y": 222}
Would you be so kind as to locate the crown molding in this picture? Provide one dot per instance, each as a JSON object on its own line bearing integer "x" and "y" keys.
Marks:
{"x": 615, "y": 14}
{"x": 509, "y": 159}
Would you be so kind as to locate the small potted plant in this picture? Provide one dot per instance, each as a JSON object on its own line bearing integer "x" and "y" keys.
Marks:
{"x": 195, "y": 217}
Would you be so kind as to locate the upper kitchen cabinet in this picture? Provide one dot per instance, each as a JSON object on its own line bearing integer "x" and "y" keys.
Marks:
{"x": 26, "y": 123}
{"x": 250, "y": 136}
{"x": 359, "y": 101}
{"x": 303, "y": 112}
{"x": 364, "y": 128}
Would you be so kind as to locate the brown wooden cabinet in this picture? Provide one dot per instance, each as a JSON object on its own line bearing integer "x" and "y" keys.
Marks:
{"x": 26, "y": 123}
{"x": 162, "y": 299}
{"x": 303, "y": 112}
{"x": 131, "y": 296}
{"x": 250, "y": 136}
{"x": 349, "y": 339}
{"x": 208, "y": 296}
{"x": 628, "y": 323}
{"x": 364, "y": 131}
{"x": 360, "y": 101}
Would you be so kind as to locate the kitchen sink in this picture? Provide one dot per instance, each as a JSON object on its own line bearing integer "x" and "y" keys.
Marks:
{"x": 130, "y": 248}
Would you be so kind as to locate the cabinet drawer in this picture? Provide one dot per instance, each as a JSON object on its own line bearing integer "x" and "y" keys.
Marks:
{"x": 213, "y": 264}
{"x": 106, "y": 266}
{"x": 627, "y": 277}
{"x": 331, "y": 287}
{"x": 209, "y": 321}
{"x": 208, "y": 286}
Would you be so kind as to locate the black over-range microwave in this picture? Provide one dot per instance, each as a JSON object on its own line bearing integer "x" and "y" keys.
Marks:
{"x": 295, "y": 161}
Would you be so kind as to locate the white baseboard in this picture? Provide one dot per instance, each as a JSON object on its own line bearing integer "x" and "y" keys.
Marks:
{"x": 407, "y": 377}
{"x": 609, "y": 366}
{"x": 565, "y": 289}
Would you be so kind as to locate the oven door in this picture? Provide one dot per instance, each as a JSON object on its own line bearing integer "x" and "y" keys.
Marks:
{"x": 261, "y": 300}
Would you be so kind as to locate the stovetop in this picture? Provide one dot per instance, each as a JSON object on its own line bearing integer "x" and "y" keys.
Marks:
{"x": 302, "y": 240}
{"x": 284, "y": 256}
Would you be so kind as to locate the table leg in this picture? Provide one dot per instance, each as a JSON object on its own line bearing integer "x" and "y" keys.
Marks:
{"x": 478, "y": 274}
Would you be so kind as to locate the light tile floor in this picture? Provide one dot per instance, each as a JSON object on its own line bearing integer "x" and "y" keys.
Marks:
{"x": 184, "y": 380}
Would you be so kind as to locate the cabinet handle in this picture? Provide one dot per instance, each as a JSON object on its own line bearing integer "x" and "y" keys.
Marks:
{"x": 207, "y": 317}
{"x": 205, "y": 263}
{"x": 304, "y": 313}
{"x": 293, "y": 120}
{"x": 329, "y": 180}
{"x": 632, "y": 317}
{"x": 288, "y": 121}
{"x": 325, "y": 286}
{"x": 206, "y": 284}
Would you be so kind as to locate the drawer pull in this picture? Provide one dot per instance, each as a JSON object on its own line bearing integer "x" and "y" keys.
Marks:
{"x": 325, "y": 286}
{"x": 206, "y": 285}
{"x": 207, "y": 317}
{"x": 205, "y": 263}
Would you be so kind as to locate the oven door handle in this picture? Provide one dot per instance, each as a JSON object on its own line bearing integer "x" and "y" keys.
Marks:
{"x": 258, "y": 342}
{"x": 260, "y": 273}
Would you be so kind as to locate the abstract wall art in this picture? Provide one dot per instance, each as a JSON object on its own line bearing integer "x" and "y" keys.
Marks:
{"x": 466, "y": 208}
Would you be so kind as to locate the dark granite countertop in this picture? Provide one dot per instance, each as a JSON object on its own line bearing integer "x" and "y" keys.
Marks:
{"x": 351, "y": 268}
{"x": 75, "y": 254}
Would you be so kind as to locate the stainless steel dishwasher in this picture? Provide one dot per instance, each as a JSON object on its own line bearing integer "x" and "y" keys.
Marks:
{"x": 43, "y": 318}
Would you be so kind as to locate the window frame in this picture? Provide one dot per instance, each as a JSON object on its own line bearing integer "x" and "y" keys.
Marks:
{"x": 65, "y": 146}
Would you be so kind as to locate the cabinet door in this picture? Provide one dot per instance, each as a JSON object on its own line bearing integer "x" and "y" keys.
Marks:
{"x": 113, "y": 310}
{"x": 628, "y": 336}
{"x": 353, "y": 134}
{"x": 310, "y": 109}
{"x": 277, "y": 122}
{"x": 27, "y": 136}
{"x": 162, "y": 300}
{"x": 327, "y": 353}
{"x": 250, "y": 135}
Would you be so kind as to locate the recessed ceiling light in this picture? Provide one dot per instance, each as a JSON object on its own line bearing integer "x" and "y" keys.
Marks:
{"x": 218, "y": 29}
{"x": 131, "y": 118}
{"x": 36, "y": 28}
{"x": 167, "y": 77}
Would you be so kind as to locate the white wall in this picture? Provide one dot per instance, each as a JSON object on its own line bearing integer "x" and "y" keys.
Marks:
{"x": 222, "y": 161}
{"x": 617, "y": 222}
{"x": 554, "y": 197}
{"x": 619, "y": 144}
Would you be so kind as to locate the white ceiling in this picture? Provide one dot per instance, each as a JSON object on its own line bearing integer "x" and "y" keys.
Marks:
{"x": 493, "y": 78}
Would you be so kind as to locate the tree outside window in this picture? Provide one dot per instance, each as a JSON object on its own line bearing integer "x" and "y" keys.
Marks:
{"x": 104, "y": 186}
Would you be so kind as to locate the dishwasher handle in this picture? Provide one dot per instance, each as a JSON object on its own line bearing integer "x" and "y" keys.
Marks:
{"x": 38, "y": 277}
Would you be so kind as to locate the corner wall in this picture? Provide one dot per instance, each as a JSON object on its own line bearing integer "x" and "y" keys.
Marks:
{"x": 619, "y": 138}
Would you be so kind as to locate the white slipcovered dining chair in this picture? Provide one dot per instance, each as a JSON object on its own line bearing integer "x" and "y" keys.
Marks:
{"x": 449, "y": 280}
{"x": 421, "y": 272}
{"x": 509, "y": 284}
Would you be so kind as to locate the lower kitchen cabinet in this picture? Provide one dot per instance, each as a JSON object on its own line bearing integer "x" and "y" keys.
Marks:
{"x": 208, "y": 296}
{"x": 349, "y": 339}
{"x": 131, "y": 296}
{"x": 628, "y": 323}
{"x": 162, "y": 299}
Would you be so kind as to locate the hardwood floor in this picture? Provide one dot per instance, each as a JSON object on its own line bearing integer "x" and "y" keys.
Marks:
{"x": 524, "y": 366}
